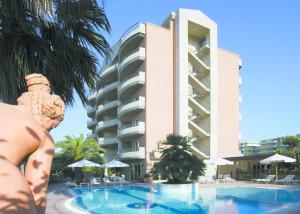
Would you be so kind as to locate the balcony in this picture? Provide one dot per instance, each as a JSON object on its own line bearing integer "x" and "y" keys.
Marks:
{"x": 91, "y": 124}
{"x": 108, "y": 70}
{"x": 92, "y": 99}
{"x": 139, "y": 154}
{"x": 197, "y": 105}
{"x": 132, "y": 61}
{"x": 91, "y": 111}
{"x": 195, "y": 81}
{"x": 106, "y": 107}
{"x": 109, "y": 124}
{"x": 131, "y": 84}
{"x": 198, "y": 129}
{"x": 197, "y": 62}
{"x": 106, "y": 89}
{"x": 132, "y": 37}
{"x": 91, "y": 135}
{"x": 128, "y": 109}
{"x": 132, "y": 130}
{"x": 108, "y": 141}
{"x": 196, "y": 149}
{"x": 203, "y": 48}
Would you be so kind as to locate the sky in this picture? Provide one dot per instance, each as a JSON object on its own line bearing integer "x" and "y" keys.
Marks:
{"x": 265, "y": 34}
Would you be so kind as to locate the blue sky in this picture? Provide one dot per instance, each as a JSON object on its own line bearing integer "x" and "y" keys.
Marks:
{"x": 266, "y": 35}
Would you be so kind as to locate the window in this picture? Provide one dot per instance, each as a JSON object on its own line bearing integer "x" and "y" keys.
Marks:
{"x": 135, "y": 145}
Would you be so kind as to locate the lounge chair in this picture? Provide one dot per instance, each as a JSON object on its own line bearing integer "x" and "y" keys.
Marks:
{"x": 221, "y": 179}
{"x": 295, "y": 181}
{"x": 205, "y": 180}
{"x": 70, "y": 184}
{"x": 228, "y": 179}
{"x": 286, "y": 180}
{"x": 268, "y": 179}
{"x": 94, "y": 182}
{"x": 106, "y": 181}
{"x": 121, "y": 180}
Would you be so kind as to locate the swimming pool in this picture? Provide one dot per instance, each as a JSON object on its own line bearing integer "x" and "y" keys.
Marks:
{"x": 142, "y": 199}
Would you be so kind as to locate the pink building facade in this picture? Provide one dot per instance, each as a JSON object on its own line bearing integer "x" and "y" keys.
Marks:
{"x": 167, "y": 79}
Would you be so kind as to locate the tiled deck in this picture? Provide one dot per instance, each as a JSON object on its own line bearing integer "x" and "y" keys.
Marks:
{"x": 57, "y": 194}
{"x": 56, "y": 197}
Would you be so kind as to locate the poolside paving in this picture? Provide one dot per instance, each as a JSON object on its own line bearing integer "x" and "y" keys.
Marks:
{"x": 58, "y": 194}
{"x": 56, "y": 197}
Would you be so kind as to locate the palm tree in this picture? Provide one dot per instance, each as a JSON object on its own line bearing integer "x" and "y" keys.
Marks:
{"x": 60, "y": 39}
{"x": 177, "y": 163}
{"x": 73, "y": 149}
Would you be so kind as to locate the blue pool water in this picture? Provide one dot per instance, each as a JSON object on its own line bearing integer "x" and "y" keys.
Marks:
{"x": 223, "y": 200}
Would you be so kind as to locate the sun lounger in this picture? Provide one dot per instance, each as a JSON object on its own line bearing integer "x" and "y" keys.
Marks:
{"x": 70, "y": 184}
{"x": 94, "y": 182}
{"x": 106, "y": 181}
{"x": 286, "y": 180}
{"x": 268, "y": 179}
{"x": 205, "y": 180}
{"x": 228, "y": 179}
{"x": 121, "y": 180}
{"x": 295, "y": 181}
{"x": 220, "y": 179}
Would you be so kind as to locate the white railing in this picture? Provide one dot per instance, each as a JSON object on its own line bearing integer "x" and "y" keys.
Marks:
{"x": 108, "y": 140}
{"x": 137, "y": 78}
{"x": 107, "y": 70}
{"x": 108, "y": 105}
{"x": 135, "y": 29}
{"x": 106, "y": 89}
{"x": 199, "y": 127}
{"x": 105, "y": 124}
{"x": 138, "y": 103}
{"x": 137, "y": 128}
{"x": 136, "y": 53}
{"x": 91, "y": 111}
{"x": 204, "y": 105}
{"x": 139, "y": 154}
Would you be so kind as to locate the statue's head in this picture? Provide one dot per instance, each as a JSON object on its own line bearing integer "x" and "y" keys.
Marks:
{"x": 47, "y": 109}
{"x": 37, "y": 82}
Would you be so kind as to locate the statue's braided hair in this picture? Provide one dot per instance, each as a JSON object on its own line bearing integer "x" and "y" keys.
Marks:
{"x": 43, "y": 106}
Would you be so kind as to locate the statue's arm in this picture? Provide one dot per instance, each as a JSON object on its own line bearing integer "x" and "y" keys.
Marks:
{"x": 37, "y": 172}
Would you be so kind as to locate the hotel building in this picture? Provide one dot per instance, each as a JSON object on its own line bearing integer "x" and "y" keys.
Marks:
{"x": 167, "y": 79}
{"x": 268, "y": 146}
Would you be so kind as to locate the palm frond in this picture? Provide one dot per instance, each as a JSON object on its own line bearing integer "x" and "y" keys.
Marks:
{"x": 63, "y": 46}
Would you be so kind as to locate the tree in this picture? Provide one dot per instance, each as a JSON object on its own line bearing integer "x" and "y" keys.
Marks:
{"x": 60, "y": 39}
{"x": 293, "y": 150}
{"x": 178, "y": 164}
{"x": 73, "y": 149}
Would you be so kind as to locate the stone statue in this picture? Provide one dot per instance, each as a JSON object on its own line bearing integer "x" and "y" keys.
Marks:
{"x": 24, "y": 133}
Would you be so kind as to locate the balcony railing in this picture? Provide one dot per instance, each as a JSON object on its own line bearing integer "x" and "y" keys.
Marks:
{"x": 134, "y": 80}
{"x": 204, "y": 104}
{"x": 106, "y": 124}
{"x": 200, "y": 127}
{"x": 139, "y": 154}
{"x": 106, "y": 89}
{"x": 135, "y": 55}
{"x": 133, "y": 104}
{"x": 91, "y": 124}
{"x": 132, "y": 129}
{"x": 129, "y": 53}
{"x": 91, "y": 111}
{"x": 106, "y": 106}
{"x": 108, "y": 140}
